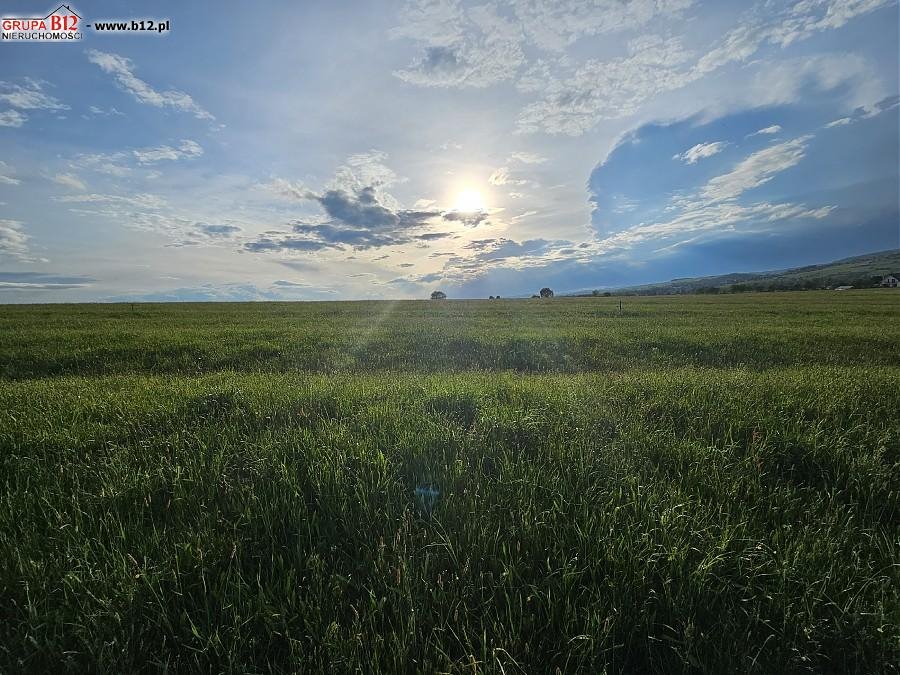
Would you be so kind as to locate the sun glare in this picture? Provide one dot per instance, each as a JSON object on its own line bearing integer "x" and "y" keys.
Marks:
{"x": 469, "y": 200}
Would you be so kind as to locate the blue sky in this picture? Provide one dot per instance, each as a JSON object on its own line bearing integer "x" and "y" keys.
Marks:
{"x": 324, "y": 150}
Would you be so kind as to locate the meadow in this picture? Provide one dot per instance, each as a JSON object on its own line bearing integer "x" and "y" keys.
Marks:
{"x": 688, "y": 484}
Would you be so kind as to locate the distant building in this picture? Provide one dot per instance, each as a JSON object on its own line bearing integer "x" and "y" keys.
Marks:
{"x": 890, "y": 281}
{"x": 843, "y": 288}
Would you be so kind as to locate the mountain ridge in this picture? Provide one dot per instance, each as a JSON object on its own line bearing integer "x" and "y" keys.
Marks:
{"x": 858, "y": 271}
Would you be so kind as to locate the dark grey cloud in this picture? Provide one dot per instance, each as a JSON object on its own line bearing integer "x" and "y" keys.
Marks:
{"x": 300, "y": 265}
{"x": 290, "y": 284}
{"x": 438, "y": 59}
{"x": 362, "y": 209}
{"x": 441, "y": 65}
{"x": 881, "y": 106}
{"x": 498, "y": 249}
{"x": 467, "y": 218}
{"x": 333, "y": 235}
{"x": 481, "y": 244}
{"x": 359, "y": 220}
{"x": 492, "y": 255}
{"x": 218, "y": 230}
{"x": 410, "y": 282}
{"x": 284, "y": 243}
{"x": 202, "y": 234}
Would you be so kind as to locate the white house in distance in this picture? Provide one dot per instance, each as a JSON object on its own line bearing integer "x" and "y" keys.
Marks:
{"x": 890, "y": 281}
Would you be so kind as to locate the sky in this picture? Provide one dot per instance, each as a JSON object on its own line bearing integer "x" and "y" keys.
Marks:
{"x": 341, "y": 150}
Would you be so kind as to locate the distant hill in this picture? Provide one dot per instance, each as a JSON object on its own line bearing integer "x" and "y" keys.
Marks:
{"x": 862, "y": 271}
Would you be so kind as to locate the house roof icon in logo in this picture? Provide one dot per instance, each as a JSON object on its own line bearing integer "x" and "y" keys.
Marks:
{"x": 66, "y": 10}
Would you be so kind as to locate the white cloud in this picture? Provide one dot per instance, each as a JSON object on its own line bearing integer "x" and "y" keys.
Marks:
{"x": 699, "y": 218}
{"x": 187, "y": 150}
{"x": 794, "y": 23}
{"x": 789, "y": 80}
{"x": 715, "y": 207}
{"x": 286, "y": 188}
{"x": 460, "y": 47}
{"x": 527, "y": 158}
{"x": 866, "y": 111}
{"x": 25, "y": 286}
{"x": 152, "y": 213}
{"x": 69, "y": 180}
{"x": 365, "y": 169}
{"x": 480, "y": 45}
{"x": 701, "y": 151}
{"x": 757, "y": 169}
{"x": 774, "y": 129}
{"x": 106, "y": 163}
{"x": 30, "y": 96}
{"x": 6, "y": 179}
{"x": 502, "y": 176}
{"x": 553, "y": 25}
{"x": 94, "y": 110}
{"x": 12, "y": 118}
{"x": 573, "y": 98}
{"x": 523, "y": 215}
{"x": 526, "y": 40}
{"x": 144, "y": 201}
{"x": 464, "y": 65}
{"x": 14, "y": 241}
{"x": 122, "y": 68}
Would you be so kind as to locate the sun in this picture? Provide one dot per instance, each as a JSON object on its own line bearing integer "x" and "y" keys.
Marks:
{"x": 469, "y": 200}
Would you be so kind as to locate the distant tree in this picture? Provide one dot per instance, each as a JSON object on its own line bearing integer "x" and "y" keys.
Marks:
{"x": 491, "y": 297}
{"x": 498, "y": 297}
{"x": 535, "y": 296}
{"x": 607, "y": 294}
{"x": 546, "y": 292}
{"x": 438, "y": 295}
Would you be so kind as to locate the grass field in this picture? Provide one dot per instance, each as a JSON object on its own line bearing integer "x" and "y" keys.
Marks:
{"x": 693, "y": 484}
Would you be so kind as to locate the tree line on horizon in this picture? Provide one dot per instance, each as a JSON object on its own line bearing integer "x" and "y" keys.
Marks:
{"x": 545, "y": 292}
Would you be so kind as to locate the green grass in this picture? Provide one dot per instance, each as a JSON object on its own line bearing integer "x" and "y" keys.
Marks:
{"x": 565, "y": 335}
{"x": 694, "y": 485}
